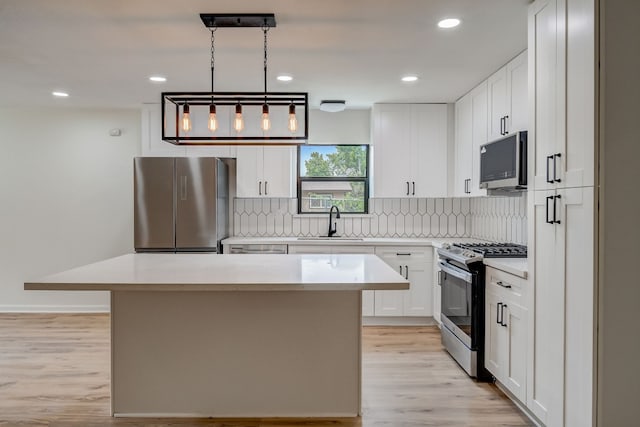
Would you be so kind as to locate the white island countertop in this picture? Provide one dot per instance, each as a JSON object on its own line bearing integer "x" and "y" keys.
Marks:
{"x": 212, "y": 272}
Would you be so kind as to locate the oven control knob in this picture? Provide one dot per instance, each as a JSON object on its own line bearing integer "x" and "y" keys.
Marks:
{"x": 469, "y": 254}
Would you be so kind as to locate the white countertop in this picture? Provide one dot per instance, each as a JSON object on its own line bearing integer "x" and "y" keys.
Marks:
{"x": 211, "y": 272}
{"x": 335, "y": 241}
{"x": 515, "y": 266}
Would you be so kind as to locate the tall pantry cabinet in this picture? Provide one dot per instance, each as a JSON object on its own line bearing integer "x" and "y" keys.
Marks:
{"x": 562, "y": 209}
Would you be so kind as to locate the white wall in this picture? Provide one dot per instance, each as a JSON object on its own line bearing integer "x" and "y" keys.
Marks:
{"x": 66, "y": 199}
{"x": 344, "y": 127}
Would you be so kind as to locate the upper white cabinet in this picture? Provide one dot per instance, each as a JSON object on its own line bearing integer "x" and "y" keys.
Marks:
{"x": 561, "y": 151}
{"x": 409, "y": 150}
{"x": 471, "y": 133}
{"x": 463, "y": 170}
{"x": 507, "y": 98}
{"x": 416, "y": 265}
{"x": 265, "y": 171}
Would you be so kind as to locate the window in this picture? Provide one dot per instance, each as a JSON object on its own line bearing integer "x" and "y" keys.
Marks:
{"x": 333, "y": 175}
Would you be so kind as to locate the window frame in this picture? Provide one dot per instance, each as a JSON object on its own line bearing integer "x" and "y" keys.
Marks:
{"x": 365, "y": 179}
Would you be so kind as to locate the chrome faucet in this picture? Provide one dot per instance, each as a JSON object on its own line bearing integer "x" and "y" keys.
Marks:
{"x": 333, "y": 230}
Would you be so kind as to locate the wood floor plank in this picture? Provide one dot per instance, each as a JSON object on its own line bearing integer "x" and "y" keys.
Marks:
{"x": 54, "y": 371}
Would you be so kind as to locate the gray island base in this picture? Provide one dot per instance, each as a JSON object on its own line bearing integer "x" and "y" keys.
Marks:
{"x": 202, "y": 335}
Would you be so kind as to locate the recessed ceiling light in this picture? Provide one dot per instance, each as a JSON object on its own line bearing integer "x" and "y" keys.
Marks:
{"x": 284, "y": 78}
{"x": 60, "y": 94}
{"x": 449, "y": 23}
{"x": 158, "y": 79}
{"x": 409, "y": 78}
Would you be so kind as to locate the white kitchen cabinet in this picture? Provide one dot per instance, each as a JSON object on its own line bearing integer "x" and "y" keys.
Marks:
{"x": 409, "y": 150}
{"x": 506, "y": 330}
{"x": 561, "y": 218}
{"x": 367, "y": 296}
{"x": 463, "y": 170}
{"x": 265, "y": 171}
{"x": 560, "y": 158}
{"x": 415, "y": 264}
{"x": 561, "y": 268}
{"x": 471, "y": 133}
{"x": 507, "y": 98}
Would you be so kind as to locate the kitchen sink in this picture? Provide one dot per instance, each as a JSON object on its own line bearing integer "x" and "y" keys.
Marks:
{"x": 328, "y": 239}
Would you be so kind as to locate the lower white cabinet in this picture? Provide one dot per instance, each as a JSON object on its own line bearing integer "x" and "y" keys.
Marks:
{"x": 506, "y": 336}
{"x": 416, "y": 265}
{"x": 367, "y": 296}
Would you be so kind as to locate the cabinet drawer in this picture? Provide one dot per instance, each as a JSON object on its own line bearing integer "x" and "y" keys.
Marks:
{"x": 408, "y": 253}
{"x": 502, "y": 283}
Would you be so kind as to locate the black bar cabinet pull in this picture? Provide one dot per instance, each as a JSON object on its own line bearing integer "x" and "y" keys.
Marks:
{"x": 547, "y": 220}
{"x": 500, "y": 283}
{"x": 498, "y": 312}
{"x": 407, "y": 188}
{"x": 506, "y": 131}
{"x": 401, "y": 271}
{"x": 502, "y": 317}
{"x": 260, "y": 188}
{"x": 555, "y": 218}
{"x": 555, "y": 168}
{"x": 406, "y": 272}
{"x": 501, "y": 125}
{"x": 403, "y": 253}
{"x": 265, "y": 188}
{"x": 549, "y": 180}
{"x": 413, "y": 183}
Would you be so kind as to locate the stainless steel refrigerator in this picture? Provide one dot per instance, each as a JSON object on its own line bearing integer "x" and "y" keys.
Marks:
{"x": 181, "y": 204}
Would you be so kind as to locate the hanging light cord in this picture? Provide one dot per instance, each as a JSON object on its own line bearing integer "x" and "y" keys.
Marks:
{"x": 265, "y": 29}
{"x": 213, "y": 53}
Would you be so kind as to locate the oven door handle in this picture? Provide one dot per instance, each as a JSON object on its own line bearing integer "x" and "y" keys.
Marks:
{"x": 460, "y": 274}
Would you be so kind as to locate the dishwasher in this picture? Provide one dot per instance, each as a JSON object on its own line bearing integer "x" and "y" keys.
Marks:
{"x": 258, "y": 249}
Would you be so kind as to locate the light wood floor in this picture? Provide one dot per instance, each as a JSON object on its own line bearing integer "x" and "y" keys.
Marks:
{"x": 54, "y": 371}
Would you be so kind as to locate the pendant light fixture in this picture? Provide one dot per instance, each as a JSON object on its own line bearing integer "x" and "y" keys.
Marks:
{"x": 235, "y": 118}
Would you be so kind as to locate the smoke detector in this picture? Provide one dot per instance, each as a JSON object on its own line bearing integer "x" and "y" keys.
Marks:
{"x": 332, "y": 105}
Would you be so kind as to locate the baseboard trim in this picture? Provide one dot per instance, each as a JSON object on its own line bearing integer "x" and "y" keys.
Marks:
{"x": 398, "y": 321}
{"x": 520, "y": 405}
{"x": 98, "y": 308}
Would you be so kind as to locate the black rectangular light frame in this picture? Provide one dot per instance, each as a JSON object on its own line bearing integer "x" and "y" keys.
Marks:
{"x": 299, "y": 99}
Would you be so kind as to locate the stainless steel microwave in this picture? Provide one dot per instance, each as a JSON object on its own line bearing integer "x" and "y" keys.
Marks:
{"x": 503, "y": 163}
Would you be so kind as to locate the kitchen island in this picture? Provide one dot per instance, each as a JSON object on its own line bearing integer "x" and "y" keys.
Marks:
{"x": 204, "y": 335}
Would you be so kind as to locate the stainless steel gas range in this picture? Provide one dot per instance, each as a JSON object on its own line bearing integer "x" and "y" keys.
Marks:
{"x": 462, "y": 308}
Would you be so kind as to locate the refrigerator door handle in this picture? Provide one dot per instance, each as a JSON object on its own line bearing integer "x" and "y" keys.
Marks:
{"x": 183, "y": 187}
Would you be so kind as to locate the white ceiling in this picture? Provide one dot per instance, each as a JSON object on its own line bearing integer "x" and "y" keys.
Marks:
{"x": 102, "y": 51}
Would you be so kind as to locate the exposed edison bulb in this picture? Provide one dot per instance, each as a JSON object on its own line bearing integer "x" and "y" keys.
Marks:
{"x": 213, "y": 120}
{"x": 293, "y": 121}
{"x": 238, "y": 121}
{"x": 186, "y": 118}
{"x": 265, "y": 123}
